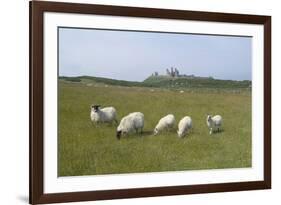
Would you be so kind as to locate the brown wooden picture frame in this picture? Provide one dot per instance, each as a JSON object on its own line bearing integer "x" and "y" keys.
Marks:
{"x": 37, "y": 8}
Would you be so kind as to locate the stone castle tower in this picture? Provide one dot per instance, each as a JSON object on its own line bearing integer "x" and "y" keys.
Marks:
{"x": 173, "y": 72}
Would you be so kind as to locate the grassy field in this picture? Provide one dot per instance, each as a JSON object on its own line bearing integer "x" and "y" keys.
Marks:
{"x": 87, "y": 149}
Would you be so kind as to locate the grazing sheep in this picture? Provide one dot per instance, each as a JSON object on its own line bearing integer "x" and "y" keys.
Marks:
{"x": 107, "y": 114}
{"x": 166, "y": 122}
{"x": 132, "y": 122}
{"x": 214, "y": 123}
{"x": 185, "y": 124}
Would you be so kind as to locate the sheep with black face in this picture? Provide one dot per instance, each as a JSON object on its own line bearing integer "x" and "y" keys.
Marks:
{"x": 103, "y": 115}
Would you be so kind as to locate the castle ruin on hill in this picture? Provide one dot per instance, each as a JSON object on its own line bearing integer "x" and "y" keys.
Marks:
{"x": 172, "y": 72}
{"x": 175, "y": 73}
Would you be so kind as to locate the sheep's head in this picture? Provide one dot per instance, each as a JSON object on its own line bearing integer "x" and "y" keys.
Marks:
{"x": 209, "y": 118}
{"x": 179, "y": 133}
{"x": 95, "y": 107}
{"x": 155, "y": 131}
{"x": 118, "y": 134}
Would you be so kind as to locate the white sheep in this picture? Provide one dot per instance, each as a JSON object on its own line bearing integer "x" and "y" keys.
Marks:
{"x": 107, "y": 114}
{"x": 132, "y": 122}
{"x": 184, "y": 125}
{"x": 164, "y": 123}
{"x": 214, "y": 123}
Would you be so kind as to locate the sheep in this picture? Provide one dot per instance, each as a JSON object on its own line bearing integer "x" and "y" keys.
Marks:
{"x": 107, "y": 114}
{"x": 132, "y": 122}
{"x": 214, "y": 123}
{"x": 184, "y": 125}
{"x": 166, "y": 122}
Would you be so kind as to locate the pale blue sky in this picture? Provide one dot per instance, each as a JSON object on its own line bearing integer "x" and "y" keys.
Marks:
{"x": 128, "y": 55}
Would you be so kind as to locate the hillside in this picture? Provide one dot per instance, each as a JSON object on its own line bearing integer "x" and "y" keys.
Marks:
{"x": 107, "y": 81}
{"x": 165, "y": 82}
{"x": 198, "y": 82}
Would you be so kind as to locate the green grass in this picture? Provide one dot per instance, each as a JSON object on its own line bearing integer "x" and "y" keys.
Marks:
{"x": 87, "y": 149}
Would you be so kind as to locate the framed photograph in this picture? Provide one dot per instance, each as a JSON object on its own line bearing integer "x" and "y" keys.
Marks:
{"x": 139, "y": 102}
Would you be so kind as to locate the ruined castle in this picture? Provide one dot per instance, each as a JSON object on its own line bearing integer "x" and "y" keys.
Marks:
{"x": 172, "y": 72}
{"x": 175, "y": 73}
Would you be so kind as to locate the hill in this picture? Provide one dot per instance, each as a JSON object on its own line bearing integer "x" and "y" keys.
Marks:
{"x": 107, "y": 81}
{"x": 165, "y": 82}
{"x": 197, "y": 82}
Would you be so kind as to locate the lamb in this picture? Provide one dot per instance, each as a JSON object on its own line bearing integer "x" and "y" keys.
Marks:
{"x": 184, "y": 125}
{"x": 214, "y": 123}
{"x": 107, "y": 114}
{"x": 166, "y": 122}
{"x": 132, "y": 122}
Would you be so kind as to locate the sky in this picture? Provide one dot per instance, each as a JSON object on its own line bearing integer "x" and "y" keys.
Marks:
{"x": 133, "y": 56}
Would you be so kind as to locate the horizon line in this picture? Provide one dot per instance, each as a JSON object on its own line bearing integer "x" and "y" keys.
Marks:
{"x": 208, "y": 77}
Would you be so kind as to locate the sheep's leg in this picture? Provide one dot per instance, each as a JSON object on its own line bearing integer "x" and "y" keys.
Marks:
{"x": 95, "y": 125}
{"x": 140, "y": 133}
{"x": 170, "y": 128}
{"x": 211, "y": 131}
